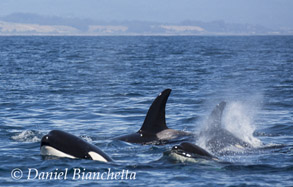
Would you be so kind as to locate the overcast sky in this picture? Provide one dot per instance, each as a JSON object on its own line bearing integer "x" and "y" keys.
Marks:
{"x": 270, "y": 13}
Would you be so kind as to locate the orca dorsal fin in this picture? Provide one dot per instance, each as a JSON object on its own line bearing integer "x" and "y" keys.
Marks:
{"x": 215, "y": 117}
{"x": 155, "y": 121}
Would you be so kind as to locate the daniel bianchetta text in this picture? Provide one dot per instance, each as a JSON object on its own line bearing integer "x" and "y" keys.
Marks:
{"x": 73, "y": 174}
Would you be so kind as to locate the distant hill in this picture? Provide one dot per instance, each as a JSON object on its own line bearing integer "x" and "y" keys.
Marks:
{"x": 32, "y": 24}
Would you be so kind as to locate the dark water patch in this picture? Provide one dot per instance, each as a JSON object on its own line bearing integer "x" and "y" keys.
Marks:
{"x": 254, "y": 169}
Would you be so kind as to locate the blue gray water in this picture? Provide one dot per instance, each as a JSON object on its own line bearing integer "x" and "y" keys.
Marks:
{"x": 98, "y": 88}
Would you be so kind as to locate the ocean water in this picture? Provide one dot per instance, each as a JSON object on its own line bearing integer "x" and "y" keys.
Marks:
{"x": 98, "y": 88}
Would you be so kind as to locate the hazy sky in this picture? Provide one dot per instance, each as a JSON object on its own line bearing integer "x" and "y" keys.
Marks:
{"x": 270, "y": 13}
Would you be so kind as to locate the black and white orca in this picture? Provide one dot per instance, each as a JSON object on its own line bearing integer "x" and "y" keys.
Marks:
{"x": 154, "y": 129}
{"x": 187, "y": 151}
{"x": 63, "y": 144}
{"x": 217, "y": 138}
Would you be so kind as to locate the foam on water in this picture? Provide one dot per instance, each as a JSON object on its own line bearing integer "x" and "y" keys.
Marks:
{"x": 27, "y": 136}
{"x": 87, "y": 139}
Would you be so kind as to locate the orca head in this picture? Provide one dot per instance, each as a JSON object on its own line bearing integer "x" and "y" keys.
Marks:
{"x": 190, "y": 150}
{"x": 62, "y": 144}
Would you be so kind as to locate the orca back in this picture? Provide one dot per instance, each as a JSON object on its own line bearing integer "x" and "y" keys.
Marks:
{"x": 155, "y": 120}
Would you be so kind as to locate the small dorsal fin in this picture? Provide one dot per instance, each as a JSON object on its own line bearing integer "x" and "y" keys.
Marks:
{"x": 155, "y": 119}
{"x": 215, "y": 117}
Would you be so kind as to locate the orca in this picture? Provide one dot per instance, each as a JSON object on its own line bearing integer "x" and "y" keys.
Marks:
{"x": 187, "y": 150}
{"x": 62, "y": 144}
{"x": 154, "y": 129}
{"x": 217, "y": 138}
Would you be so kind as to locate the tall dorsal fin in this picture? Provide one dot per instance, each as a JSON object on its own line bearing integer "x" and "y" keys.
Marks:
{"x": 155, "y": 119}
{"x": 215, "y": 117}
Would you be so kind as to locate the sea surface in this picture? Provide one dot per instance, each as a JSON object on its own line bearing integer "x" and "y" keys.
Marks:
{"x": 98, "y": 88}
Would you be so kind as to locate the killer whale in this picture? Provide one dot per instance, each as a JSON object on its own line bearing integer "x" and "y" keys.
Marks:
{"x": 154, "y": 129}
{"x": 217, "y": 138}
{"x": 62, "y": 144}
{"x": 187, "y": 150}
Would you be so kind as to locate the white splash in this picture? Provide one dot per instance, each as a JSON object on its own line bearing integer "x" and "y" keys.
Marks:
{"x": 87, "y": 139}
{"x": 27, "y": 136}
{"x": 238, "y": 118}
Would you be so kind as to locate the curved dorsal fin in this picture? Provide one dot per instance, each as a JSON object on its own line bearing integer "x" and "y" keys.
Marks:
{"x": 215, "y": 117}
{"x": 155, "y": 119}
